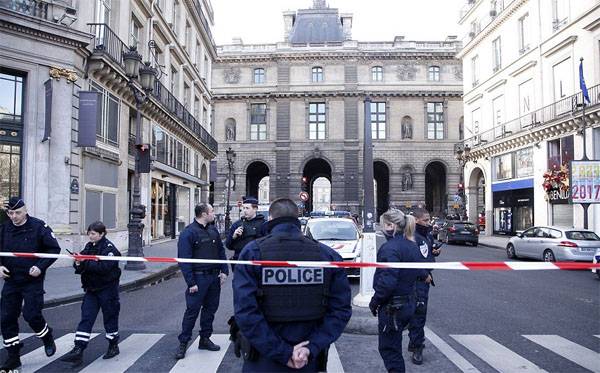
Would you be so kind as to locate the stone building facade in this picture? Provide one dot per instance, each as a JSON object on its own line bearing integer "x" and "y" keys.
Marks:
{"x": 294, "y": 111}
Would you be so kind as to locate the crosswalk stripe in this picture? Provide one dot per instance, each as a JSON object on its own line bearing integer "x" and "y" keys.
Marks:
{"x": 36, "y": 359}
{"x": 576, "y": 353}
{"x": 495, "y": 354}
{"x": 598, "y": 336}
{"x": 131, "y": 349}
{"x": 452, "y": 355}
{"x": 334, "y": 364}
{"x": 202, "y": 360}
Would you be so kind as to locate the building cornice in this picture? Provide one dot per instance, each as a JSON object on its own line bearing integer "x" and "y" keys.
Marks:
{"x": 334, "y": 55}
{"x": 556, "y": 48}
{"x": 522, "y": 69}
{"x": 497, "y": 84}
{"x": 303, "y": 95}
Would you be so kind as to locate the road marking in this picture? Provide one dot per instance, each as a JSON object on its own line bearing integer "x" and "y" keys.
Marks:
{"x": 334, "y": 364}
{"x": 202, "y": 360}
{"x": 460, "y": 362}
{"x": 580, "y": 355}
{"x": 131, "y": 349}
{"x": 36, "y": 359}
{"x": 496, "y": 355}
{"x": 598, "y": 335}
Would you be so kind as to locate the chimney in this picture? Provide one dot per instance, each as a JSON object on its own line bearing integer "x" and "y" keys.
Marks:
{"x": 347, "y": 25}
{"x": 289, "y": 18}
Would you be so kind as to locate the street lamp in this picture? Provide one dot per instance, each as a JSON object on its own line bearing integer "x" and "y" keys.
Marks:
{"x": 462, "y": 155}
{"x": 230, "y": 153}
{"x": 146, "y": 75}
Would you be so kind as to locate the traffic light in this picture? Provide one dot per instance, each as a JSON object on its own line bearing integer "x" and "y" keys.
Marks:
{"x": 461, "y": 188}
{"x": 304, "y": 184}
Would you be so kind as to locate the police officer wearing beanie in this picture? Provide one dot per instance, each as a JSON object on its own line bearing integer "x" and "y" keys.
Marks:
{"x": 246, "y": 229}
{"x": 24, "y": 279}
{"x": 394, "y": 299}
{"x": 100, "y": 280}
{"x": 429, "y": 250}
{"x": 288, "y": 316}
{"x": 201, "y": 240}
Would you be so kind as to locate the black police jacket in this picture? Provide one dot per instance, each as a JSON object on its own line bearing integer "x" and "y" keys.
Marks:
{"x": 98, "y": 275}
{"x": 424, "y": 240}
{"x": 252, "y": 231}
{"x": 35, "y": 236}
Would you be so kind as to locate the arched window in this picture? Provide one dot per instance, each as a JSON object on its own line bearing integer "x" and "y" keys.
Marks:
{"x": 259, "y": 76}
{"x": 317, "y": 74}
{"x": 434, "y": 73}
{"x": 377, "y": 73}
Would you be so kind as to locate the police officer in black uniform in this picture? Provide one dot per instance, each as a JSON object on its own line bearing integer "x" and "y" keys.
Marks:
{"x": 100, "y": 280}
{"x": 24, "y": 279}
{"x": 394, "y": 299}
{"x": 429, "y": 250}
{"x": 201, "y": 240}
{"x": 246, "y": 229}
{"x": 288, "y": 316}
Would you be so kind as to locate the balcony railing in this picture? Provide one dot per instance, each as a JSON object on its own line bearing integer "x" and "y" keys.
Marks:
{"x": 562, "y": 108}
{"x": 107, "y": 42}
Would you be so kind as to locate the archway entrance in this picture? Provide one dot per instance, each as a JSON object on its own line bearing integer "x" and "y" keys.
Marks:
{"x": 435, "y": 188}
{"x": 255, "y": 172}
{"x": 476, "y": 195}
{"x": 381, "y": 174}
{"x": 313, "y": 174}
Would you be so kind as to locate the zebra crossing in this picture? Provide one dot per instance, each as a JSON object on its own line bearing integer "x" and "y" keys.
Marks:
{"x": 135, "y": 348}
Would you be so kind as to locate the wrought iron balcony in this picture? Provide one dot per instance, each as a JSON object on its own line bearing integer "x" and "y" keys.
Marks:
{"x": 107, "y": 42}
{"x": 559, "y": 109}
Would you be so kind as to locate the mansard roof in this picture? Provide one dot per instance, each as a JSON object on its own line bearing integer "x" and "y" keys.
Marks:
{"x": 317, "y": 25}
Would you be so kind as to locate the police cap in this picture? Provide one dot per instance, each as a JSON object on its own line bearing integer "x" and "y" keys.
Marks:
{"x": 15, "y": 203}
{"x": 250, "y": 200}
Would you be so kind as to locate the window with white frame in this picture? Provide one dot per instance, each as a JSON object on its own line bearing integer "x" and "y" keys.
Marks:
{"x": 188, "y": 37}
{"x": 378, "y": 120}
{"x": 560, "y": 13}
{"x": 205, "y": 71}
{"x": 523, "y": 24}
{"x": 475, "y": 121}
{"x": 316, "y": 121}
{"x": 317, "y": 74}
{"x": 563, "y": 79}
{"x": 174, "y": 81}
{"x": 170, "y": 151}
{"x": 258, "y": 122}
{"x": 434, "y": 73}
{"x": 205, "y": 118}
{"x": 475, "y": 70}
{"x": 103, "y": 11}
{"x": 108, "y": 129}
{"x": 377, "y": 73}
{"x": 196, "y": 108}
{"x": 198, "y": 60}
{"x": 135, "y": 33}
{"x": 259, "y": 76}
{"x": 497, "y": 54}
{"x": 435, "y": 121}
{"x": 498, "y": 115}
{"x": 187, "y": 96}
{"x": 175, "y": 15}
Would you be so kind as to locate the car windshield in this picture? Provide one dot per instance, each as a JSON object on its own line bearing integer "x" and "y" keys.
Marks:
{"x": 582, "y": 236}
{"x": 332, "y": 230}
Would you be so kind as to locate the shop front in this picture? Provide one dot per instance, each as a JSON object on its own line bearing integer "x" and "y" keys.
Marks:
{"x": 513, "y": 206}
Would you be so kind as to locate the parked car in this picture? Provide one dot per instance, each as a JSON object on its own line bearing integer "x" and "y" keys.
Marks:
{"x": 459, "y": 231}
{"x": 596, "y": 260}
{"x": 340, "y": 234}
{"x": 436, "y": 225}
{"x": 554, "y": 243}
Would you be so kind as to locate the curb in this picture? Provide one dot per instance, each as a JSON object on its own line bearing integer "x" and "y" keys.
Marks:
{"x": 492, "y": 246}
{"x": 129, "y": 286}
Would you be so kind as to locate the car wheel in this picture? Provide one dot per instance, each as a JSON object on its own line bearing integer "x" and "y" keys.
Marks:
{"x": 475, "y": 243}
{"x": 549, "y": 256}
{"x": 510, "y": 251}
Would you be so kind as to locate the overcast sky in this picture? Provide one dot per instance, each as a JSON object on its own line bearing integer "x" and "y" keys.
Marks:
{"x": 261, "y": 21}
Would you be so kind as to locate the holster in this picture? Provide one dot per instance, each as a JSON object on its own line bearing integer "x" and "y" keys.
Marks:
{"x": 241, "y": 344}
{"x": 322, "y": 360}
{"x": 392, "y": 308}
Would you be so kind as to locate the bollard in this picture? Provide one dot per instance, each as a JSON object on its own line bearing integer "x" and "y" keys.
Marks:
{"x": 369, "y": 245}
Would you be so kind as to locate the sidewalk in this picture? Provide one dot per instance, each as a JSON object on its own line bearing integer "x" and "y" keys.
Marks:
{"x": 63, "y": 286}
{"x": 496, "y": 242}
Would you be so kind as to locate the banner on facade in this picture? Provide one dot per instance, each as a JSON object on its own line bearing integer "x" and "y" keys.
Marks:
{"x": 48, "y": 110}
{"x": 585, "y": 182}
{"x": 90, "y": 115}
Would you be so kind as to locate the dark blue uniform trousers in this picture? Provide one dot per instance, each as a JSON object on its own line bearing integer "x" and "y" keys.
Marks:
{"x": 390, "y": 338}
{"x": 416, "y": 331}
{"x": 106, "y": 299}
{"x": 265, "y": 365}
{"x": 25, "y": 296}
{"x": 205, "y": 301}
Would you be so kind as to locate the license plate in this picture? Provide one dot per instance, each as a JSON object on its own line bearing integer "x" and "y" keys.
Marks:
{"x": 465, "y": 232}
{"x": 588, "y": 249}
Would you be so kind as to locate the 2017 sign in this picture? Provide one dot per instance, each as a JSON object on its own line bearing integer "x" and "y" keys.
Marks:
{"x": 585, "y": 182}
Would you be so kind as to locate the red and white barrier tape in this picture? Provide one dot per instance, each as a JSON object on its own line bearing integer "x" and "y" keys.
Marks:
{"x": 495, "y": 266}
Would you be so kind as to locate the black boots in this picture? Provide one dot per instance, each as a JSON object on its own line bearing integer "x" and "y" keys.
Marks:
{"x": 49, "y": 345}
{"x": 206, "y": 344}
{"x": 74, "y": 356}
{"x": 113, "y": 349}
{"x": 417, "y": 356}
{"x": 181, "y": 351}
{"x": 13, "y": 361}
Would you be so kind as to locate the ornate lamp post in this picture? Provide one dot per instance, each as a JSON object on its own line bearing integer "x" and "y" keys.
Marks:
{"x": 462, "y": 156}
{"x": 146, "y": 75}
{"x": 230, "y": 153}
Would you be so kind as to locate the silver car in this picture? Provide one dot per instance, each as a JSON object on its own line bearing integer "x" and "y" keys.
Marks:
{"x": 554, "y": 244}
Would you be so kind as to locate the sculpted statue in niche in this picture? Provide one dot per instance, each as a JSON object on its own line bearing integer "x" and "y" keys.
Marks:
{"x": 458, "y": 74}
{"x": 407, "y": 182}
{"x": 232, "y": 75}
{"x": 407, "y": 72}
{"x": 407, "y": 128}
{"x": 230, "y": 130}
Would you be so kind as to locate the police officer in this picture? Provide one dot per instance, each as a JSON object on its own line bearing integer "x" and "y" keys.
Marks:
{"x": 429, "y": 250}
{"x": 100, "y": 280}
{"x": 394, "y": 299}
{"x": 288, "y": 316}
{"x": 201, "y": 240}
{"x": 246, "y": 229}
{"x": 24, "y": 279}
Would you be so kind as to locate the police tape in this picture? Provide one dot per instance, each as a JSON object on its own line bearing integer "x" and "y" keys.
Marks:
{"x": 493, "y": 266}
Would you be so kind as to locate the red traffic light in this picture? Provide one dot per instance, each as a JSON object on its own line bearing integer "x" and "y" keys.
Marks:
{"x": 461, "y": 186}
{"x": 304, "y": 179}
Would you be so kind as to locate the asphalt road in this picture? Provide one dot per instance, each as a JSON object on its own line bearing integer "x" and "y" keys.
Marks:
{"x": 477, "y": 321}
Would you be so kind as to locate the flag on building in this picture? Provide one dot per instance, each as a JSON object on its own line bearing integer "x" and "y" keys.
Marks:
{"x": 582, "y": 85}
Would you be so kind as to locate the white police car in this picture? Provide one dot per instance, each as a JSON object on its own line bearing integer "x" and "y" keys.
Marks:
{"x": 340, "y": 234}
{"x": 596, "y": 260}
